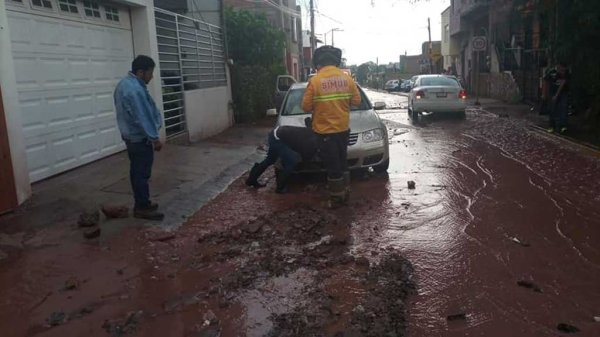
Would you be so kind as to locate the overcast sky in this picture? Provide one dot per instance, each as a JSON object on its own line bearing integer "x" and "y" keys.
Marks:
{"x": 377, "y": 28}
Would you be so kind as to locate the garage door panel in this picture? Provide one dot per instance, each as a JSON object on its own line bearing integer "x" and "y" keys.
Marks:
{"x": 66, "y": 74}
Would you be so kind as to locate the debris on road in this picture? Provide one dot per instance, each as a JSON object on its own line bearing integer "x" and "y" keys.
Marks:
{"x": 457, "y": 317}
{"x": 159, "y": 235}
{"x": 522, "y": 243}
{"x": 57, "y": 318}
{"x": 115, "y": 212}
{"x": 597, "y": 319}
{"x": 529, "y": 285}
{"x": 89, "y": 218}
{"x": 72, "y": 283}
{"x": 92, "y": 233}
{"x": 567, "y": 328}
{"x": 411, "y": 185}
{"x": 123, "y": 327}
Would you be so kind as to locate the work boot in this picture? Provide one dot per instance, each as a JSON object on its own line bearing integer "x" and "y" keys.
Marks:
{"x": 337, "y": 192}
{"x": 282, "y": 179}
{"x": 346, "y": 187}
{"x": 254, "y": 174}
{"x": 148, "y": 214}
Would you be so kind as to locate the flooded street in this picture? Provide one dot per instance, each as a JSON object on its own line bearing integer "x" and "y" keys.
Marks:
{"x": 499, "y": 238}
{"x": 495, "y": 205}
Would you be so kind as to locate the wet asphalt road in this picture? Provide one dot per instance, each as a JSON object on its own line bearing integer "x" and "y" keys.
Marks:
{"x": 495, "y": 204}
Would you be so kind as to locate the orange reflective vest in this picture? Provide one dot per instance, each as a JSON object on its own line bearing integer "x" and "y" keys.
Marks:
{"x": 329, "y": 96}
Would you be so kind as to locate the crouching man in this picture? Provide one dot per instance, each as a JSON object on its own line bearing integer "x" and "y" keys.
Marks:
{"x": 291, "y": 144}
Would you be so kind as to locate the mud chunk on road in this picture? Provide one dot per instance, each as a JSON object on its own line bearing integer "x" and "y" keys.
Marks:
{"x": 92, "y": 233}
{"x": 210, "y": 318}
{"x": 567, "y": 328}
{"x": 597, "y": 319}
{"x": 72, "y": 283}
{"x": 159, "y": 236}
{"x": 457, "y": 317}
{"x": 411, "y": 185}
{"x": 121, "y": 327}
{"x": 57, "y": 318}
{"x": 529, "y": 285}
{"x": 89, "y": 218}
{"x": 115, "y": 212}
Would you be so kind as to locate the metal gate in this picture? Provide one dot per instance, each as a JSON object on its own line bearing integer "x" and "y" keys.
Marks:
{"x": 192, "y": 56}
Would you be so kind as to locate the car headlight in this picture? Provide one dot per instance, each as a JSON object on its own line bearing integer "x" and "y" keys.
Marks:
{"x": 374, "y": 135}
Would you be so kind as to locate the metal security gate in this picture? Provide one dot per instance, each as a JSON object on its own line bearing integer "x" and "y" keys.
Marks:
{"x": 191, "y": 56}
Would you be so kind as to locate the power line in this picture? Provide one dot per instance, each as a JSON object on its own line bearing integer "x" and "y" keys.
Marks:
{"x": 329, "y": 17}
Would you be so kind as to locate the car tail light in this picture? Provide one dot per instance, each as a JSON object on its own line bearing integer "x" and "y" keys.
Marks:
{"x": 462, "y": 94}
{"x": 420, "y": 94}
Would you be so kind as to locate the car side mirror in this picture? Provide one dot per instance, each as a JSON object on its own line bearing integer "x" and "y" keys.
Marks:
{"x": 272, "y": 113}
{"x": 379, "y": 105}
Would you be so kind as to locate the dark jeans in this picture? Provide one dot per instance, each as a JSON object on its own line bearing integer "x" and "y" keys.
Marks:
{"x": 277, "y": 150}
{"x": 559, "y": 112}
{"x": 333, "y": 150}
{"x": 141, "y": 157}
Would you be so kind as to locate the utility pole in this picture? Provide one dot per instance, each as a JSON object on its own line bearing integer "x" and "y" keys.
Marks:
{"x": 313, "y": 40}
{"x": 430, "y": 46}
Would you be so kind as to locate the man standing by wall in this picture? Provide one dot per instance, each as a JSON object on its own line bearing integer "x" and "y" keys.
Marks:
{"x": 329, "y": 96}
{"x": 139, "y": 121}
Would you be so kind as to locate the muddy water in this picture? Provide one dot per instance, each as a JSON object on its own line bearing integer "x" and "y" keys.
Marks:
{"x": 495, "y": 204}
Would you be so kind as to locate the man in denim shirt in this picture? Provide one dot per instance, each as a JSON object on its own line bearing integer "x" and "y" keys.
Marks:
{"x": 139, "y": 121}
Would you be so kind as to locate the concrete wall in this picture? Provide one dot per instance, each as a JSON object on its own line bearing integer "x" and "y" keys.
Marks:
{"x": 144, "y": 42}
{"x": 12, "y": 110}
{"x": 207, "y": 112}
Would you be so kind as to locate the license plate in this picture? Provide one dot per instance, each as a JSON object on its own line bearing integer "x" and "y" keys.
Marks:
{"x": 442, "y": 94}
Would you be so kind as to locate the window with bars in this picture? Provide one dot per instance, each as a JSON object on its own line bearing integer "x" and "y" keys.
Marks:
{"x": 112, "y": 13}
{"x": 69, "y": 6}
{"x": 92, "y": 9}
{"x": 41, "y": 3}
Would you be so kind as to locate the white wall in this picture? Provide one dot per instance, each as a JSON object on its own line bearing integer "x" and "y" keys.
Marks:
{"x": 12, "y": 110}
{"x": 207, "y": 112}
{"x": 143, "y": 25}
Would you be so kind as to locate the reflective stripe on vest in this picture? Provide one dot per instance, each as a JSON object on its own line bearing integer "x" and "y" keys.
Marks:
{"x": 333, "y": 97}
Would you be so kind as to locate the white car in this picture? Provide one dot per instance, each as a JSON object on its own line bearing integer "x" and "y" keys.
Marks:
{"x": 368, "y": 144}
{"x": 437, "y": 94}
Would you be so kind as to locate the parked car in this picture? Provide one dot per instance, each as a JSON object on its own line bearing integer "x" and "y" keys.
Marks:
{"x": 405, "y": 86}
{"x": 368, "y": 143}
{"x": 438, "y": 94}
{"x": 392, "y": 85}
{"x": 283, "y": 84}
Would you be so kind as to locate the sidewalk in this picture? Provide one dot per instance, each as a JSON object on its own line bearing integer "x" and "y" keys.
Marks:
{"x": 538, "y": 122}
{"x": 184, "y": 178}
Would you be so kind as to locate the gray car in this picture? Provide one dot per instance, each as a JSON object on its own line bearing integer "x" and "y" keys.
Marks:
{"x": 368, "y": 142}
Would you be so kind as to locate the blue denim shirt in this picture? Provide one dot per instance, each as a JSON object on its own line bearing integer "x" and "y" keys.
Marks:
{"x": 137, "y": 115}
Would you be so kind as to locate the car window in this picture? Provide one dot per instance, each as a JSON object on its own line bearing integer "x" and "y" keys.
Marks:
{"x": 284, "y": 83}
{"x": 293, "y": 102}
{"x": 438, "y": 81}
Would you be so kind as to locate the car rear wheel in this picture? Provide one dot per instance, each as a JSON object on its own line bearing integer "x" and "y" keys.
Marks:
{"x": 412, "y": 114}
{"x": 461, "y": 114}
{"x": 383, "y": 167}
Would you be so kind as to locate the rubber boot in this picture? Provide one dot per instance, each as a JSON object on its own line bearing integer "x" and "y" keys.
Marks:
{"x": 254, "y": 174}
{"x": 346, "y": 187}
{"x": 282, "y": 179}
{"x": 337, "y": 192}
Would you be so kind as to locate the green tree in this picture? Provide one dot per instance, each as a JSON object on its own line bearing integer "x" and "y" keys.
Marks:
{"x": 257, "y": 51}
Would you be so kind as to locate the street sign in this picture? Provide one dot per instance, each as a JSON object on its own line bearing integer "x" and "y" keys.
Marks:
{"x": 479, "y": 43}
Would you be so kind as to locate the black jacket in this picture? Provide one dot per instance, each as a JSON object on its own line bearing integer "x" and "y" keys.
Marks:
{"x": 300, "y": 139}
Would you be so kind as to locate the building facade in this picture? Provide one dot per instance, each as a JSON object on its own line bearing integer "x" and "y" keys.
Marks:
{"x": 59, "y": 64}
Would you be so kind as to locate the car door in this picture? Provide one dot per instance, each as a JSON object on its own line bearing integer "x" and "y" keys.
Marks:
{"x": 283, "y": 84}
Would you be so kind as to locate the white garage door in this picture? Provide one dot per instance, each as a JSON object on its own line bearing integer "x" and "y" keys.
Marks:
{"x": 68, "y": 55}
